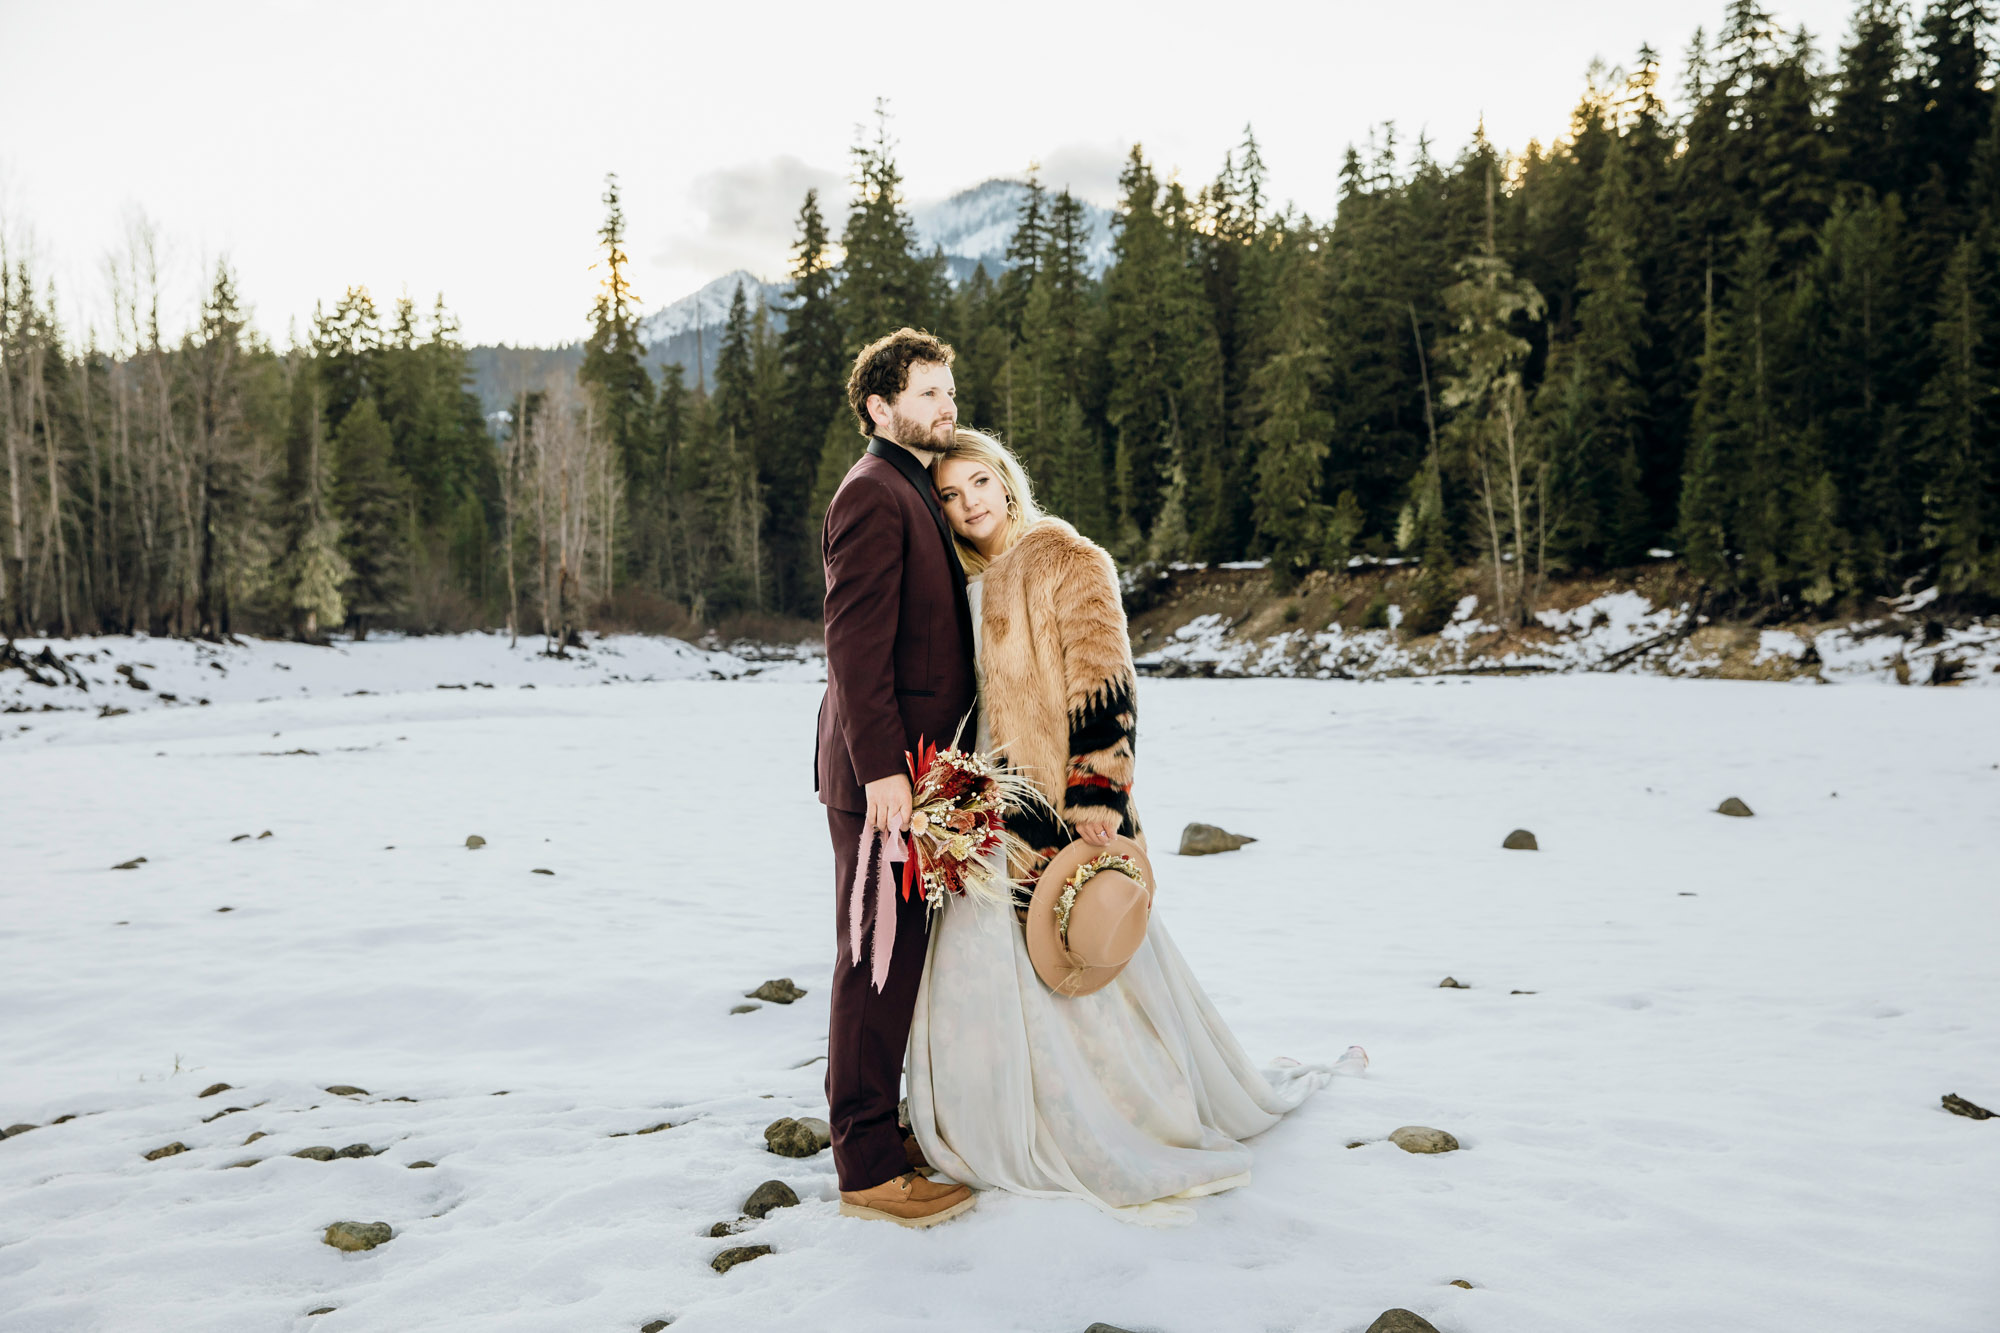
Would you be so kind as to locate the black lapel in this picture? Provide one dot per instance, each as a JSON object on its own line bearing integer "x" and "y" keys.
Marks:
{"x": 906, "y": 463}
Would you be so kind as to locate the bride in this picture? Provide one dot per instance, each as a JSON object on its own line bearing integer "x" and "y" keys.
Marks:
{"x": 1127, "y": 1091}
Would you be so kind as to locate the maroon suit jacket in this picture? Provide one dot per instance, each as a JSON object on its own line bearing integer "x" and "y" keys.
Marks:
{"x": 898, "y": 627}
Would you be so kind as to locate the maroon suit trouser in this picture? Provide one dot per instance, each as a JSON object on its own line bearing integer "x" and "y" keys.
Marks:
{"x": 869, "y": 1030}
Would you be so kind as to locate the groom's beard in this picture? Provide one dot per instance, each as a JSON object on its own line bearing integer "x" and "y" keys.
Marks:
{"x": 910, "y": 434}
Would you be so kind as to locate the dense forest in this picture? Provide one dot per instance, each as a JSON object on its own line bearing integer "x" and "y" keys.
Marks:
{"x": 1754, "y": 320}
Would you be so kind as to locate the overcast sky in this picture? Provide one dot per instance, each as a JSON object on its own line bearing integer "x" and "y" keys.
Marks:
{"x": 462, "y": 147}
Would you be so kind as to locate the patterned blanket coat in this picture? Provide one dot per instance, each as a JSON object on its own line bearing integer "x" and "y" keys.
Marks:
{"x": 1059, "y": 683}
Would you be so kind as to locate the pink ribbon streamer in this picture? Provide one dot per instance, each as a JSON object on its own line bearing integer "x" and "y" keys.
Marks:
{"x": 882, "y": 941}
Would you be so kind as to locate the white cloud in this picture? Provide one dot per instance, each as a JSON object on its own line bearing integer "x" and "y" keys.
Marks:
{"x": 748, "y": 215}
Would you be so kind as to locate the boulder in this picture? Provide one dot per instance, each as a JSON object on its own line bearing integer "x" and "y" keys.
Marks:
{"x": 781, "y": 991}
{"x": 260, "y": 1134}
{"x": 347, "y": 1090}
{"x": 1453, "y": 983}
{"x": 1461, "y": 1282}
{"x": 721, "y": 1229}
{"x": 248, "y": 1161}
{"x": 475, "y": 841}
{"x": 1401, "y": 1321}
{"x": 13, "y": 1130}
{"x": 653, "y": 1325}
{"x": 214, "y": 1088}
{"x": 421, "y": 1166}
{"x": 769, "y": 1197}
{"x": 1419, "y": 1138}
{"x": 356, "y": 1150}
{"x": 738, "y": 1254}
{"x": 797, "y": 1138}
{"x": 319, "y": 1153}
{"x": 1733, "y": 806}
{"x": 352, "y": 1236}
{"x": 1953, "y": 1103}
{"x": 1207, "y": 840}
{"x": 171, "y": 1150}
{"x": 1520, "y": 840}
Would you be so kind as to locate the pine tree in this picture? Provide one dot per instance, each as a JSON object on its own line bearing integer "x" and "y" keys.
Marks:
{"x": 815, "y": 372}
{"x": 1024, "y": 254}
{"x": 1057, "y": 442}
{"x": 348, "y": 345}
{"x": 1873, "y": 122}
{"x": 886, "y": 282}
{"x": 1292, "y": 425}
{"x": 1595, "y": 470}
{"x": 613, "y": 356}
{"x": 311, "y": 570}
{"x": 369, "y": 497}
{"x": 1961, "y": 437}
{"x": 1158, "y": 338}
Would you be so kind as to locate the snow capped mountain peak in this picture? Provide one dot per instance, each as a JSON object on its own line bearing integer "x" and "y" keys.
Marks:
{"x": 972, "y": 227}
{"x": 709, "y": 307}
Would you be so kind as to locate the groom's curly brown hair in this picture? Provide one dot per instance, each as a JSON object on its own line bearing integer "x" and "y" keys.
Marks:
{"x": 884, "y": 367}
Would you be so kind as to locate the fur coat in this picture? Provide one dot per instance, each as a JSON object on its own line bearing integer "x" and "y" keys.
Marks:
{"x": 1058, "y": 683}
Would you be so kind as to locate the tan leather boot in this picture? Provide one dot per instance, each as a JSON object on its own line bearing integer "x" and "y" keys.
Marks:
{"x": 909, "y": 1201}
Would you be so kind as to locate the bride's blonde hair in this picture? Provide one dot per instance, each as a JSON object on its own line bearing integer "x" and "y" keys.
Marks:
{"x": 978, "y": 447}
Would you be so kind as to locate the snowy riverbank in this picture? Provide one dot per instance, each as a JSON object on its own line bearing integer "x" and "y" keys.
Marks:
{"x": 1696, "y": 1074}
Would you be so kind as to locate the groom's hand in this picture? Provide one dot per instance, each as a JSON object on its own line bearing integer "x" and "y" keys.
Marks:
{"x": 889, "y": 803}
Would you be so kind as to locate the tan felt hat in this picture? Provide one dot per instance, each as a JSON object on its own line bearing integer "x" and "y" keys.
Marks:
{"x": 1082, "y": 946}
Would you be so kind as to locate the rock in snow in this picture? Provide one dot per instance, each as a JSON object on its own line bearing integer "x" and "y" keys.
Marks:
{"x": 781, "y": 991}
{"x": 1520, "y": 840}
{"x": 1420, "y": 1138}
{"x": 358, "y": 1235}
{"x": 1207, "y": 839}
{"x": 771, "y": 1195}
{"x": 797, "y": 1138}
{"x": 1733, "y": 806}
{"x": 1957, "y": 1105}
{"x": 1401, "y": 1321}
{"x": 737, "y": 1254}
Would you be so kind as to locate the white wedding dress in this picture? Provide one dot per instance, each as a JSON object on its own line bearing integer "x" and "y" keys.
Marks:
{"x": 1129, "y": 1098}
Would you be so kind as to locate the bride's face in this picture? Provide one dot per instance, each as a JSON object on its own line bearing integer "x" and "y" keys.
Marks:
{"x": 974, "y": 502}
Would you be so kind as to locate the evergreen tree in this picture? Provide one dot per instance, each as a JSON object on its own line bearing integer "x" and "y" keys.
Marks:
{"x": 1961, "y": 437}
{"x": 1293, "y": 427}
{"x": 1873, "y": 122}
{"x": 369, "y": 498}
{"x": 1024, "y": 254}
{"x": 1158, "y": 340}
{"x": 1058, "y": 446}
{"x": 348, "y": 346}
{"x": 311, "y": 569}
{"x": 1599, "y": 511}
{"x": 613, "y": 356}
{"x": 815, "y": 376}
{"x": 886, "y": 282}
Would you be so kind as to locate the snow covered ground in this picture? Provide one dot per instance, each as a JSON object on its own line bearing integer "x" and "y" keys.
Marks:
{"x": 1696, "y": 1074}
{"x": 1619, "y": 631}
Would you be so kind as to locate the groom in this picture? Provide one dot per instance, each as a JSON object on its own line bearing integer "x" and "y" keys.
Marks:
{"x": 898, "y": 670}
